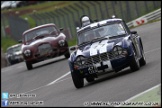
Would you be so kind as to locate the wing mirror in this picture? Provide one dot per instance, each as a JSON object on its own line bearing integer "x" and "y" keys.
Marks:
{"x": 61, "y": 29}
{"x": 134, "y": 32}
{"x": 20, "y": 41}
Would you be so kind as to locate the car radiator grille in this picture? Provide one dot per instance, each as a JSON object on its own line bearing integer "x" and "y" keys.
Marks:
{"x": 97, "y": 58}
{"x": 101, "y": 57}
{"x": 44, "y": 49}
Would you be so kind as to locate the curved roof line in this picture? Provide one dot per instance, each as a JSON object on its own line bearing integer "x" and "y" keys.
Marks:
{"x": 99, "y": 22}
{"x": 44, "y": 25}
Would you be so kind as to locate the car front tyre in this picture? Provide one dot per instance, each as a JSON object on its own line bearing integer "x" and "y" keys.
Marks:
{"x": 134, "y": 63}
{"x": 29, "y": 65}
{"x": 67, "y": 55}
{"x": 142, "y": 61}
{"x": 77, "y": 80}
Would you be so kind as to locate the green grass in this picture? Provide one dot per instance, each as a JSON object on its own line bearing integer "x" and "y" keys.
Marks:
{"x": 7, "y": 42}
{"x": 72, "y": 41}
{"x": 148, "y": 99}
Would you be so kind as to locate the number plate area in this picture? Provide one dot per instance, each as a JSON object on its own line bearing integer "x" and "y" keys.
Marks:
{"x": 99, "y": 67}
{"x": 44, "y": 49}
{"x": 92, "y": 69}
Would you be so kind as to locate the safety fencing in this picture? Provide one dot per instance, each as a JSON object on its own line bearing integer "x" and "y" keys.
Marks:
{"x": 144, "y": 19}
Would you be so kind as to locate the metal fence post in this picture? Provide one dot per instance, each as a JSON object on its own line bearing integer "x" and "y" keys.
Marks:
{"x": 107, "y": 10}
{"x": 74, "y": 10}
{"x": 112, "y": 2}
{"x": 51, "y": 17}
{"x": 83, "y": 12}
{"x": 84, "y": 4}
{"x": 146, "y": 6}
{"x": 128, "y": 11}
{"x": 136, "y": 8}
{"x": 121, "y": 9}
{"x": 58, "y": 19}
{"x": 154, "y": 4}
{"x": 98, "y": 3}
{"x": 68, "y": 19}
{"x": 3, "y": 26}
{"x": 62, "y": 15}
{"x": 72, "y": 26}
{"x": 93, "y": 4}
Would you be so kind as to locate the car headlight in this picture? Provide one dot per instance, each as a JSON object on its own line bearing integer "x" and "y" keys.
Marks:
{"x": 27, "y": 53}
{"x": 117, "y": 50}
{"x": 9, "y": 55}
{"x": 61, "y": 42}
{"x": 124, "y": 52}
{"x": 80, "y": 60}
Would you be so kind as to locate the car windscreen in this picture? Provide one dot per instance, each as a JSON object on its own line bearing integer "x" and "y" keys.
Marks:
{"x": 45, "y": 31}
{"x": 14, "y": 49}
{"x": 108, "y": 30}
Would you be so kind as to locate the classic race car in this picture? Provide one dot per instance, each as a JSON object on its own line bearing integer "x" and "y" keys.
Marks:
{"x": 43, "y": 42}
{"x": 14, "y": 54}
{"x": 103, "y": 47}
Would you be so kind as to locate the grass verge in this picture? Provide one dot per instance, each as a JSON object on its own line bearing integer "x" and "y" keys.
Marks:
{"x": 7, "y": 42}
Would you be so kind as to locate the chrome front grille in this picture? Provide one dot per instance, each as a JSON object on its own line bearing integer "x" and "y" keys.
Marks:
{"x": 99, "y": 58}
{"x": 44, "y": 49}
{"x": 111, "y": 55}
{"x": 104, "y": 57}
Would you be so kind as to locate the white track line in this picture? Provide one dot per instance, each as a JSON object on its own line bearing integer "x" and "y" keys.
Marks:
{"x": 62, "y": 80}
{"x": 58, "y": 78}
{"x": 49, "y": 83}
{"x": 34, "y": 89}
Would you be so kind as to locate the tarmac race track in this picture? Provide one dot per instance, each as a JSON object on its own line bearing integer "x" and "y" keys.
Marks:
{"x": 50, "y": 81}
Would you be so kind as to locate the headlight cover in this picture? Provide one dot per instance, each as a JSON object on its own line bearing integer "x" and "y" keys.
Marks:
{"x": 117, "y": 50}
{"x": 61, "y": 42}
{"x": 9, "y": 55}
{"x": 27, "y": 53}
{"x": 80, "y": 60}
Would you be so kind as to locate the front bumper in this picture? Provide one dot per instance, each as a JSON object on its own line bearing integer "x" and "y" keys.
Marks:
{"x": 36, "y": 57}
{"x": 105, "y": 66}
{"x": 15, "y": 59}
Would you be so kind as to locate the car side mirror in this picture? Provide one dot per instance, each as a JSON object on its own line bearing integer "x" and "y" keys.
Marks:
{"x": 61, "y": 29}
{"x": 73, "y": 48}
{"x": 134, "y": 32}
{"x": 20, "y": 41}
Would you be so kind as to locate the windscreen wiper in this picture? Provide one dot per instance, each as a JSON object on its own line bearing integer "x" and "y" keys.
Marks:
{"x": 99, "y": 38}
{"x": 84, "y": 43}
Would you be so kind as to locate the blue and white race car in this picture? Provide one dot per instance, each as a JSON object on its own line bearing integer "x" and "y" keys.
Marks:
{"x": 104, "y": 46}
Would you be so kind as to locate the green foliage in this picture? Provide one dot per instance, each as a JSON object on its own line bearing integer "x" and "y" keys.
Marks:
{"x": 7, "y": 42}
{"x": 72, "y": 41}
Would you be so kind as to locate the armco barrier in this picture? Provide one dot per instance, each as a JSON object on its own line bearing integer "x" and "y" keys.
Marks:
{"x": 149, "y": 17}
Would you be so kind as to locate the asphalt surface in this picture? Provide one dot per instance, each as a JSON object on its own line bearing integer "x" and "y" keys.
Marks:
{"x": 113, "y": 87}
